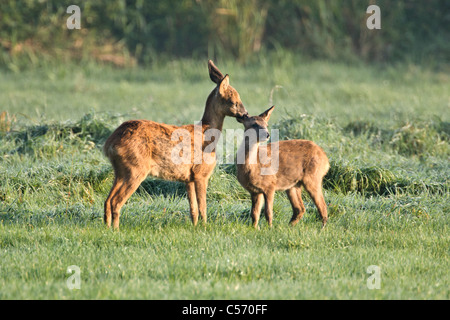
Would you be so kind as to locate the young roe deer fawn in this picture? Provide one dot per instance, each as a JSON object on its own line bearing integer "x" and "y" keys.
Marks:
{"x": 301, "y": 163}
{"x": 139, "y": 148}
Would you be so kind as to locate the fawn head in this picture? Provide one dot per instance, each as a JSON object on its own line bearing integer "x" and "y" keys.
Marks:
{"x": 225, "y": 98}
{"x": 258, "y": 124}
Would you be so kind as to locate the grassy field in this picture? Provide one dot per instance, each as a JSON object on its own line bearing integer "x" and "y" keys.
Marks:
{"x": 386, "y": 132}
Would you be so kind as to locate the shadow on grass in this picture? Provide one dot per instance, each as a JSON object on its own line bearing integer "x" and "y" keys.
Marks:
{"x": 156, "y": 187}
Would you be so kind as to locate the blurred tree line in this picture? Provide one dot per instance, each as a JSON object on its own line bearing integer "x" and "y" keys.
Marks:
{"x": 137, "y": 31}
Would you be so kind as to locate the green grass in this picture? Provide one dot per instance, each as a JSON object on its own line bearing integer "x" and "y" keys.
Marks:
{"x": 386, "y": 132}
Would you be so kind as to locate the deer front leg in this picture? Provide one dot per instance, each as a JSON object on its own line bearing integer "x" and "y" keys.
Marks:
{"x": 268, "y": 208}
{"x": 193, "y": 207}
{"x": 200, "y": 191}
{"x": 257, "y": 201}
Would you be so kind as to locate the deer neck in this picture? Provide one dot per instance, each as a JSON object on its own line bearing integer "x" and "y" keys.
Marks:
{"x": 211, "y": 118}
{"x": 248, "y": 153}
{"x": 211, "y": 126}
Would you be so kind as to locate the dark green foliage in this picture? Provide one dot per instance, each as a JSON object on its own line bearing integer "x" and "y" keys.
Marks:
{"x": 327, "y": 28}
{"x": 119, "y": 31}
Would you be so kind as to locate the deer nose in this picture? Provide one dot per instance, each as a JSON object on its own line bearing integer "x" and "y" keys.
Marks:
{"x": 268, "y": 135}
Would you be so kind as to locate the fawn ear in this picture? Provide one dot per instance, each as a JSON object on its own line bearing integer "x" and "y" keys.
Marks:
{"x": 223, "y": 86}
{"x": 214, "y": 73}
{"x": 266, "y": 114}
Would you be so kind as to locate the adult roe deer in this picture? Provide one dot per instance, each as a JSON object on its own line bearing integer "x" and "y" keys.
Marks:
{"x": 301, "y": 163}
{"x": 139, "y": 148}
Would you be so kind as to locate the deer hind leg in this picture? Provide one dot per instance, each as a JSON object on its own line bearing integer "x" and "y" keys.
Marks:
{"x": 107, "y": 207}
{"x": 295, "y": 197}
{"x": 193, "y": 205}
{"x": 314, "y": 188}
{"x": 257, "y": 202}
{"x": 123, "y": 193}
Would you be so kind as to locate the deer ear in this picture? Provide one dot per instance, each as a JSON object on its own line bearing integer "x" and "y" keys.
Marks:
{"x": 266, "y": 114}
{"x": 214, "y": 73}
{"x": 223, "y": 86}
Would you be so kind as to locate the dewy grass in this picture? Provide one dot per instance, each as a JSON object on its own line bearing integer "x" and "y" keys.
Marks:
{"x": 375, "y": 180}
{"x": 388, "y": 204}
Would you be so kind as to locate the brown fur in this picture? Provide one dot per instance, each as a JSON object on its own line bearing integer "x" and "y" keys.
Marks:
{"x": 139, "y": 148}
{"x": 302, "y": 163}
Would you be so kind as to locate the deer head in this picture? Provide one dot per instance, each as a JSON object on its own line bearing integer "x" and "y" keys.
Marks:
{"x": 224, "y": 99}
{"x": 258, "y": 124}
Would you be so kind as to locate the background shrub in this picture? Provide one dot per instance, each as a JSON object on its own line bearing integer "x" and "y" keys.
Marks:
{"x": 124, "y": 32}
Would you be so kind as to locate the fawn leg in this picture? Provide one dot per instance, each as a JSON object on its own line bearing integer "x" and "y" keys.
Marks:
{"x": 295, "y": 197}
{"x": 268, "y": 208}
{"x": 200, "y": 191}
{"x": 257, "y": 201}
{"x": 314, "y": 188}
{"x": 300, "y": 200}
{"x": 193, "y": 206}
